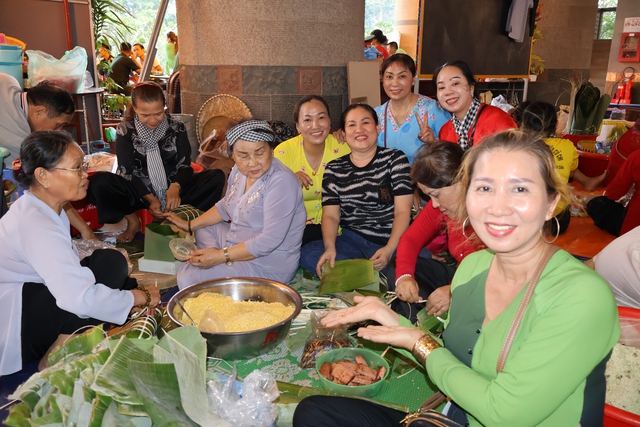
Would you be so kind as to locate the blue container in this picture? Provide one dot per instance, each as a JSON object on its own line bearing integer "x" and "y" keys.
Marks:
{"x": 11, "y": 61}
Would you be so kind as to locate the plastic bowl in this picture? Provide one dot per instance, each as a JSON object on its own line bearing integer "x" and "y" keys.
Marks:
{"x": 374, "y": 360}
{"x": 181, "y": 248}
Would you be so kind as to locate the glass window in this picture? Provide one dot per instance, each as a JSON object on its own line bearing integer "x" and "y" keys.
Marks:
{"x": 605, "y": 19}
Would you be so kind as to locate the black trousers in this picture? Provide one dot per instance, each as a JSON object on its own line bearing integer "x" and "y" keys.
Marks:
{"x": 116, "y": 197}
{"x": 607, "y": 214}
{"x": 324, "y": 411}
{"x": 430, "y": 274}
{"x": 42, "y": 320}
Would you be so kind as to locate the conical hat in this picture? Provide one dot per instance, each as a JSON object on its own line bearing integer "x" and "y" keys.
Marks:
{"x": 220, "y": 112}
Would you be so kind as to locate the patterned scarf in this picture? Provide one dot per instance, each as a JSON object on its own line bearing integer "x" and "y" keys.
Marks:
{"x": 155, "y": 166}
{"x": 462, "y": 128}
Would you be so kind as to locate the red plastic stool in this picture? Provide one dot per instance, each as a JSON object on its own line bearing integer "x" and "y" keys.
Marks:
{"x": 145, "y": 218}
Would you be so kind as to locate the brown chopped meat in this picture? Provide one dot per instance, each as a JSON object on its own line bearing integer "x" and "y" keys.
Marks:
{"x": 381, "y": 373}
{"x": 360, "y": 360}
{"x": 342, "y": 374}
{"x": 360, "y": 380}
{"x": 366, "y": 371}
{"x": 351, "y": 366}
{"x": 325, "y": 371}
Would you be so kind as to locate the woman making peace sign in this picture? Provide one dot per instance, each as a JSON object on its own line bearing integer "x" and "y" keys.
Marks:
{"x": 408, "y": 120}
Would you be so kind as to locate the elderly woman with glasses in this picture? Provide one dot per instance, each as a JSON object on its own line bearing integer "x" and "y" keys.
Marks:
{"x": 256, "y": 229}
{"x": 46, "y": 292}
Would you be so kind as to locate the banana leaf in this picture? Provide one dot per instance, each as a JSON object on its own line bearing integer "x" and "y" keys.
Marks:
{"x": 192, "y": 386}
{"x": 82, "y": 343}
{"x": 18, "y": 415}
{"x": 597, "y": 116}
{"x": 114, "y": 379}
{"x": 114, "y": 418}
{"x": 64, "y": 376}
{"x": 429, "y": 323}
{"x": 293, "y": 393}
{"x": 346, "y": 275}
{"x": 586, "y": 101}
{"x": 157, "y": 386}
{"x": 190, "y": 337}
{"x": 98, "y": 408}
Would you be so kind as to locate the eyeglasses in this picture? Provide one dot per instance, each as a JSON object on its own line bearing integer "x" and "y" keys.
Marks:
{"x": 79, "y": 170}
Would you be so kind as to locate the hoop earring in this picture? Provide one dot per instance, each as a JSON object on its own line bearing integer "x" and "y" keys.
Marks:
{"x": 464, "y": 226}
{"x": 557, "y": 232}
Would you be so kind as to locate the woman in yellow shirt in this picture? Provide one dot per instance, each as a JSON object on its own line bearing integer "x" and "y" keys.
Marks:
{"x": 307, "y": 156}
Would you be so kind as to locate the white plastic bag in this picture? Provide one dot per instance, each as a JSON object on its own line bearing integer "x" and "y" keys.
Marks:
{"x": 66, "y": 72}
{"x": 249, "y": 406}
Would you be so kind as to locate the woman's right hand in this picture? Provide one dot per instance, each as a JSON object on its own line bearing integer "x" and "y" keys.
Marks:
{"x": 366, "y": 308}
{"x": 407, "y": 289}
{"x": 439, "y": 301}
{"x": 140, "y": 298}
{"x": 177, "y": 221}
{"x": 305, "y": 180}
{"x": 328, "y": 255}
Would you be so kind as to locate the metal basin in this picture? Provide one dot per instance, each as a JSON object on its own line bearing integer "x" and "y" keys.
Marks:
{"x": 242, "y": 345}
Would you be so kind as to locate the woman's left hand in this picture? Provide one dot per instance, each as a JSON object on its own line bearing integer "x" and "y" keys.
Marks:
{"x": 381, "y": 258}
{"x": 206, "y": 258}
{"x": 173, "y": 198}
{"x": 426, "y": 134}
{"x": 439, "y": 301}
{"x": 397, "y": 336}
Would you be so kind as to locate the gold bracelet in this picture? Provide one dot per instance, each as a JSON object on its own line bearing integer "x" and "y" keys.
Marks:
{"x": 147, "y": 294}
{"x": 421, "y": 349}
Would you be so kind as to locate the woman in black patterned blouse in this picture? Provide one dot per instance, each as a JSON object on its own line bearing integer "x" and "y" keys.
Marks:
{"x": 154, "y": 166}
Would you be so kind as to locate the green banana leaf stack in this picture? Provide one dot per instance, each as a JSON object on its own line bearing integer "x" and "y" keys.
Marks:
{"x": 589, "y": 110}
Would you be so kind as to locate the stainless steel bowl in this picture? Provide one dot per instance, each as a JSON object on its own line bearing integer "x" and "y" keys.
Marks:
{"x": 242, "y": 345}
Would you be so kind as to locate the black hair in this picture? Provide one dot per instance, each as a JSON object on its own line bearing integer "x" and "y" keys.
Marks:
{"x": 437, "y": 164}
{"x": 540, "y": 117}
{"x": 144, "y": 92}
{"x": 125, "y": 46}
{"x": 41, "y": 149}
{"x": 56, "y": 99}
{"x": 366, "y": 107}
{"x": 139, "y": 44}
{"x": 517, "y": 112}
{"x": 106, "y": 46}
{"x": 309, "y": 98}
{"x": 393, "y": 44}
{"x": 379, "y": 36}
{"x": 402, "y": 59}
{"x": 462, "y": 66}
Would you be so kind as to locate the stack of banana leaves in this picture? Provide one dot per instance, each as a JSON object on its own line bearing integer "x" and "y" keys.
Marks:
{"x": 119, "y": 382}
{"x": 589, "y": 110}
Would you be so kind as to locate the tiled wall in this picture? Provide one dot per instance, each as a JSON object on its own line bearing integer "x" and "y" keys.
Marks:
{"x": 269, "y": 92}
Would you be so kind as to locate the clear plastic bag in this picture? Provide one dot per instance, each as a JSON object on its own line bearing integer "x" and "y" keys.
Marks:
{"x": 67, "y": 72}
{"x": 87, "y": 246}
{"x": 322, "y": 339}
{"x": 246, "y": 404}
{"x": 630, "y": 331}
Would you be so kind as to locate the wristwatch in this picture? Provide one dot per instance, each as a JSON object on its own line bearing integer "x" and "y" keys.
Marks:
{"x": 228, "y": 259}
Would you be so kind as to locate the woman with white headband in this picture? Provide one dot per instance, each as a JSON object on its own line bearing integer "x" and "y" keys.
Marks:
{"x": 256, "y": 229}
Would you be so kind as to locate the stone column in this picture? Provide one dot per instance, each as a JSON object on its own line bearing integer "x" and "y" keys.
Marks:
{"x": 406, "y": 22}
{"x": 268, "y": 53}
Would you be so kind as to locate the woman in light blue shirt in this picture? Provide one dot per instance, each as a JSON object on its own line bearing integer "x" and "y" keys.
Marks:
{"x": 408, "y": 120}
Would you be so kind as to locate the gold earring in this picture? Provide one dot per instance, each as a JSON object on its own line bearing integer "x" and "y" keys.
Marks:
{"x": 464, "y": 226}
{"x": 557, "y": 232}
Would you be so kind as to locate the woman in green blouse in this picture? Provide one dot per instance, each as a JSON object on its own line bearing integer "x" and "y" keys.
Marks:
{"x": 554, "y": 372}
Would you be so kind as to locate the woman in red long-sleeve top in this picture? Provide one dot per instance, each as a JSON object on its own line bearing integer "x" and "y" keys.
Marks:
{"x": 417, "y": 277}
{"x": 611, "y": 215}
